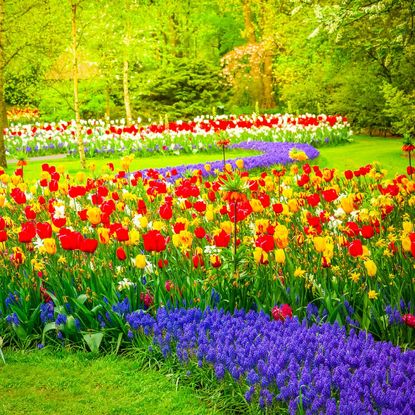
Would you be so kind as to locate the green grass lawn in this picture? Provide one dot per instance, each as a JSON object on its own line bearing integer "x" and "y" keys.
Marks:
{"x": 45, "y": 383}
{"x": 364, "y": 150}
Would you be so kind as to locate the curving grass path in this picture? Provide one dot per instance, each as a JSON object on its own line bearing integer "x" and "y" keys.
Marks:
{"x": 363, "y": 150}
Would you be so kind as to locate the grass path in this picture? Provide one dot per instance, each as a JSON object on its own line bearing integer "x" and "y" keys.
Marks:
{"x": 63, "y": 383}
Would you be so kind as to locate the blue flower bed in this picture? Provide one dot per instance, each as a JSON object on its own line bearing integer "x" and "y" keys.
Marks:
{"x": 273, "y": 153}
{"x": 312, "y": 370}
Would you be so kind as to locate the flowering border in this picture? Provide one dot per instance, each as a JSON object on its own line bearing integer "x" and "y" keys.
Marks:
{"x": 273, "y": 153}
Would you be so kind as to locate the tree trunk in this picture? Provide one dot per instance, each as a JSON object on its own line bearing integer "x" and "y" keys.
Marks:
{"x": 128, "y": 116}
{"x": 249, "y": 32}
{"x": 125, "y": 71}
{"x": 75, "y": 76}
{"x": 256, "y": 83}
{"x": 107, "y": 102}
{"x": 268, "y": 98}
{"x": 3, "y": 161}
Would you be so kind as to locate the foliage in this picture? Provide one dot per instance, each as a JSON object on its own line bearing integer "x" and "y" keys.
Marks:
{"x": 183, "y": 89}
{"x": 400, "y": 107}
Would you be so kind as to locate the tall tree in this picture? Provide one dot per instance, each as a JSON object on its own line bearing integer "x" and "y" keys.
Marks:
{"x": 126, "y": 65}
{"x": 3, "y": 119}
{"x": 22, "y": 34}
{"x": 75, "y": 75}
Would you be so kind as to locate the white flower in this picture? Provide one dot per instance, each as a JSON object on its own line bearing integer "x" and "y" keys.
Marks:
{"x": 38, "y": 242}
{"x": 59, "y": 212}
{"x": 211, "y": 250}
{"x": 124, "y": 284}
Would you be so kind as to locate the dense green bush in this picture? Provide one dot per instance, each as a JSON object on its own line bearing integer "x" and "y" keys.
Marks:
{"x": 184, "y": 89}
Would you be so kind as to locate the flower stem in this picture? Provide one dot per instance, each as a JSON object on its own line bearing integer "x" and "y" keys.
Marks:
{"x": 234, "y": 236}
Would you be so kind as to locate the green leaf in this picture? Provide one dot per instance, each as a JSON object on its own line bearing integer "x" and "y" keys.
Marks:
{"x": 70, "y": 324}
{"x": 81, "y": 299}
{"x": 48, "y": 327}
{"x": 1, "y": 353}
{"x": 93, "y": 340}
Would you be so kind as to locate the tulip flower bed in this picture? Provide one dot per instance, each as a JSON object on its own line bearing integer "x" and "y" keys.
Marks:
{"x": 201, "y": 134}
{"x": 329, "y": 255}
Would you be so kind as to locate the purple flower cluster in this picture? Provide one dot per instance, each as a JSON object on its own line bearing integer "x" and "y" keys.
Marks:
{"x": 273, "y": 153}
{"x": 317, "y": 369}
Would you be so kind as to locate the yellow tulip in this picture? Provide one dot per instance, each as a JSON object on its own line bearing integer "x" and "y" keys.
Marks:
{"x": 158, "y": 225}
{"x": 227, "y": 226}
{"x": 293, "y": 205}
{"x": 140, "y": 261}
{"x": 280, "y": 256}
{"x": 319, "y": 243}
{"x": 50, "y": 245}
{"x": 104, "y": 235}
{"x": 371, "y": 267}
{"x": 5, "y": 178}
{"x": 209, "y": 215}
{"x": 347, "y": 203}
{"x": 143, "y": 222}
{"x": 240, "y": 164}
{"x": 93, "y": 214}
{"x": 256, "y": 205}
{"x": 260, "y": 256}
{"x": 406, "y": 244}
{"x": 134, "y": 237}
{"x": 407, "y": 227}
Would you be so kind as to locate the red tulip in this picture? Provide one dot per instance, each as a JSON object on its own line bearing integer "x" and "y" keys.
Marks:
{"x": 121, "y": 255}
{"x": 122, "y": 234}
{"x": 29, "y": 213}
{"x": 278, "y": 208}
{"x": 154, "y": 241}
{"x": 409, "y": 320}
{"x": 367, "y": 231}
{"x": 28, "y": 232}
{"x": 348, "y": 174}
{"x": 266, "y": 242}
{"x": 355, "y": 248}
{"x": 44, "y": 230}
{"x": 200, "y": 206}
{"x": 222, "y": 239}
{"x": 281, "y": 313}
{"x": 18, "y": 196}
{"x": 313, "y": 200}
{"x": 165, "y": 211}
{"x": 88, "y": 245}
{"x": 70, "y": 240}
{"x": 200, "y": 232}
{"x": 330, "y": 195}
{"x": 3, "y": 236}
